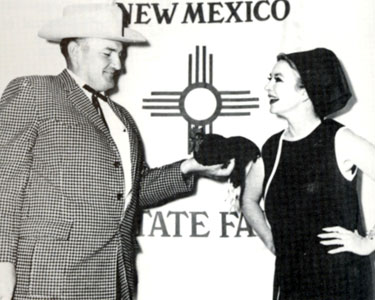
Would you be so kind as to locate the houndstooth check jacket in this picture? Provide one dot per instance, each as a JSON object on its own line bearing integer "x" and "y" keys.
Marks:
{"x": 61, "y": 193}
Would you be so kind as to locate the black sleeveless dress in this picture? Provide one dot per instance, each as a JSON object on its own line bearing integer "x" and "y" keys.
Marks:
{"x": 305, "y": 193}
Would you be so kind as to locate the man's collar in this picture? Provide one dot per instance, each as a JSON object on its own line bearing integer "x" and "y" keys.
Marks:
{"x": 76, "y": 78}
{"x": 88, "y": 91}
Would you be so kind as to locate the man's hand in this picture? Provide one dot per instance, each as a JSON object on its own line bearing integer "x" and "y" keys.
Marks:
{"x": 214, "y": 171}
{"x": 7, "y": 280}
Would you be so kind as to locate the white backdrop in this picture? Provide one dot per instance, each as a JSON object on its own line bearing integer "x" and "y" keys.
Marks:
{"x": 195, "y": 259}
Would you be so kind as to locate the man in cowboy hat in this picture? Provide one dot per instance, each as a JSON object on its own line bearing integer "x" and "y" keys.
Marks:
{"x": 72, "y": 172}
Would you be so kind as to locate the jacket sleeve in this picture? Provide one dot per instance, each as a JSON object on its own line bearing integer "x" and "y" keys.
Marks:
{"x": 18, "y": 123}
{"x": 164, "y": 184}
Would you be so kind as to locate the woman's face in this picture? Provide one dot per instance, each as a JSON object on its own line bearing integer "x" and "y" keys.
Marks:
{"x": 284, "y": 89}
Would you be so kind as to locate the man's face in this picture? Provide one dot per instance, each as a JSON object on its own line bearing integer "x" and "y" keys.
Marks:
{"x": 98, "y": 62}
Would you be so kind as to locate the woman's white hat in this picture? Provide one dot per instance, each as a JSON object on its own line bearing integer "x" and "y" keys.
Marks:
{"x": 94, "y": 20}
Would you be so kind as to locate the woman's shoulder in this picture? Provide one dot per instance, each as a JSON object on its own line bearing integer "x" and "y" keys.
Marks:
{"x": 269, "y": 149}
{"x": 273, "y": 140}
{"x": 332, "y": 124}
{"x": 328, "y": 130}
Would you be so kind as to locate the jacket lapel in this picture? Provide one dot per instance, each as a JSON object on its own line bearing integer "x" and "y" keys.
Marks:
{"x": 83, "y": 104}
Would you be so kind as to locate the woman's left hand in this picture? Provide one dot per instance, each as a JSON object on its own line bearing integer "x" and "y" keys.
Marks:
{"x": 348, "y": 241}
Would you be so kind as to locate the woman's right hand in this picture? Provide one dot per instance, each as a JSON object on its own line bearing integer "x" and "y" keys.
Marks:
{"x": 268, "y": 242}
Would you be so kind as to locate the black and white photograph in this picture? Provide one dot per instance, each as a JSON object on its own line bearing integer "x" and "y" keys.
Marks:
{"x": 187, "y": 150}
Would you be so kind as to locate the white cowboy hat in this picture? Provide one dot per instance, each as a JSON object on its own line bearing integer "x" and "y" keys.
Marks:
{"x": 96, "y": 20}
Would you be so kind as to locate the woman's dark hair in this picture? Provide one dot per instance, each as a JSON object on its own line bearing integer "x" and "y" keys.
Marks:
{"x": 323, "y": 78}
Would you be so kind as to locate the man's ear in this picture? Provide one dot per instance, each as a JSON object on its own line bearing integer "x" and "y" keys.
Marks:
{"x": 73, "y": 51}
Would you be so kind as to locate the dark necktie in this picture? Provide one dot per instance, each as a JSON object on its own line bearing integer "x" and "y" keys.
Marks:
{"x": 95, "y": 102}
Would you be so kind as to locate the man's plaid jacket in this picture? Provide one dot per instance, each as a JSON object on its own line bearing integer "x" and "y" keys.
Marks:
{"x": 61, "y": 193}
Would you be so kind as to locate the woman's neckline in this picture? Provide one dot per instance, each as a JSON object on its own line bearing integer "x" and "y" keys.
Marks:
{"x": 302, "y": 137}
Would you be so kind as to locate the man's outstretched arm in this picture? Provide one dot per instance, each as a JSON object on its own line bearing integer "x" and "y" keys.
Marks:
{"x": 164, "y": 184}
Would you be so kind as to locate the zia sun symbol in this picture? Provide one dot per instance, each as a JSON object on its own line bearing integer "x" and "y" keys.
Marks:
{"x": 200, "y": 103}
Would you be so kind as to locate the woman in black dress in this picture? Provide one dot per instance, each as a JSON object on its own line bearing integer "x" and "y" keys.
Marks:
{"x": 307, "y": 178}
